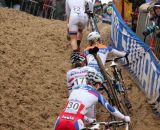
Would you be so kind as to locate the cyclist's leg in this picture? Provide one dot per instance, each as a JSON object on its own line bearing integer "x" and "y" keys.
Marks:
{"x": 79, "y": 38}
{"x": 73, "y": 30}
{"x": 56, "y": 123}
{"x": 83, "y": 21}
{"x": 74, "y": 42}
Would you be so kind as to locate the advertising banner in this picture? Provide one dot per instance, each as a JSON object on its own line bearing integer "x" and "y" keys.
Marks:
{"x": 144, "y": 67}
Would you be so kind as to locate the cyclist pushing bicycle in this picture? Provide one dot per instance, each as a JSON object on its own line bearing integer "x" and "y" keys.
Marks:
{"x": 77, "y": 76}
{"x": 80, "y": 100}
{"x": 95, "y": 42}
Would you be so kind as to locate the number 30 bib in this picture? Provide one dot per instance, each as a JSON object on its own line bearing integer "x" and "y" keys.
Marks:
{"x": 74, "y": 107}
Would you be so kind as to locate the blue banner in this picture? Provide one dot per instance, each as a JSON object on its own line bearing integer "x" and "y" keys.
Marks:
{"x": 144, "y": 66}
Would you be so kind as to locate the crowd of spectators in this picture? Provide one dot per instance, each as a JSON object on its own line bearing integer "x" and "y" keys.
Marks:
{"x": 43, "y": 8}
{"x": 154, "y": 27}
{"x": 11, "y": 4}
{"x": 103, "y": 12}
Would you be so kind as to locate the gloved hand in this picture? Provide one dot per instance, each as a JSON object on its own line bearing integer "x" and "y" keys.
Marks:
{"x": 127, "y": 119}
{"x": 93, "y": 50}
{"x": 90, "y": 13}
{"x": 91, "y": 120}
{"x": 127, "y": 53}
{"x": 145, "y": 33}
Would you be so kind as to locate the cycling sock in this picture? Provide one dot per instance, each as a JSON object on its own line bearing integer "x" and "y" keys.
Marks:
{"x": 78, "y": 43}
{"x": 77, "y": 50}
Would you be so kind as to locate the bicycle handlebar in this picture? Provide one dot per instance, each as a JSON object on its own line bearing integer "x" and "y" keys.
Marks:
{"x": 114, "y": 59}
{"x": 117, "y": 58}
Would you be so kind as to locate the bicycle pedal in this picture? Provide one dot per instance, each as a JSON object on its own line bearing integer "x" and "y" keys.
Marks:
{"x": 128, "y": 104}
{"x": 154, "y": 109}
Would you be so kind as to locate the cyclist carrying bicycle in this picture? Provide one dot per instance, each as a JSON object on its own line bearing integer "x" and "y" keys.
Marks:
{"x": 80, "y": 100}
{"x": 95, "y": 42}
{"x": 77, "y": 76}
{"x": 77, "y": 20}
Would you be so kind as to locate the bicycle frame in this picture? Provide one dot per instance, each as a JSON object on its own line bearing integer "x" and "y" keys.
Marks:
{"x": 93, "y": 24}
{"x": 119, "y": 86}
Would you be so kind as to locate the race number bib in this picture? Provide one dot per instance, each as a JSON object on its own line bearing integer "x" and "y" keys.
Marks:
{"x": 72, "y": 107}
{"x": 79, "y": 80}
{"x": 76, "y": 9}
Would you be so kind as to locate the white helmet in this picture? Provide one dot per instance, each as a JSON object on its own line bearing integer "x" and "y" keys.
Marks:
{"x": 93, "y": 36}
{"x": 93, "y": 77}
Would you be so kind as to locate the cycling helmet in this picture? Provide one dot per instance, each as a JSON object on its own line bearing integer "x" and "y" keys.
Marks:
{"x": 93, "y": 36}
{"x": 157, "y": 4}
{"x": 93, "y": 77}
{"x": 77, "y": 57}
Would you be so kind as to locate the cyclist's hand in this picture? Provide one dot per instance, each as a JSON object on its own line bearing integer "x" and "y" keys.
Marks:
{"x": 92, "y": 120}
{"x": 89, "y": 120}
{"x": 93, "y": 50}
{"x": 127, "y": 119}
{"x": 127, "y": 53}
{"x": 90, "y": 13}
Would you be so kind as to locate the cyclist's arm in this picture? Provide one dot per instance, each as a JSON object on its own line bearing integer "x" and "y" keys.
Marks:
{"x": 69, "y": 85}
{"x": 110, "y": 108}
{"x": 116, "y": 52}
{"x": 90, "y": 5}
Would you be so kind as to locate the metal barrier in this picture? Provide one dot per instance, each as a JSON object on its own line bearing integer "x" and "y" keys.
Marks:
{"x": 39, "y": 8}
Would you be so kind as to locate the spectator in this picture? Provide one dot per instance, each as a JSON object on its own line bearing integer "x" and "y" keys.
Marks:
{"x": 14, "y": 4}
{"x": 155, "y": 27}
{"x": 98, "y": 8}
{"x": 105, "y": 17}
{"x": 2, "y": 3}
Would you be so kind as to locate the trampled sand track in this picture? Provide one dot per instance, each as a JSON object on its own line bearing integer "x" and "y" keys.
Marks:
{"x": 34, "y": 59}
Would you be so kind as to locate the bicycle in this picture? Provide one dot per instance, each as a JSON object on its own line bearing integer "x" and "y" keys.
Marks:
{"x": 92, "y": 21}
{"x": 107, "y": 125}
{"x": 119, "y": 86}
{"x": 114, "y": 97}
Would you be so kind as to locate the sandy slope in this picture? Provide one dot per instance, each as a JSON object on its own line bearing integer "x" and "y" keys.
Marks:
{"x": 34, "y": 58}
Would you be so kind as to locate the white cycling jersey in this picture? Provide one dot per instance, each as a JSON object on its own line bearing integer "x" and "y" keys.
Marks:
{"x": 75, "y": 11}
{"x": 103, "y": 54}
{"x": 77, "y": 76}
{"x": 81, "y": 99}
{"x": 89, "y": 96}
